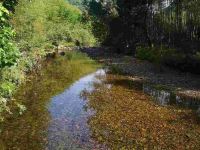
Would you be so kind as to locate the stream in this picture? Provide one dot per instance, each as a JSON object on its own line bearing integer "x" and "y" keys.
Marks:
{"x": 68, "y": 126}
{"x": 100, "y": 111}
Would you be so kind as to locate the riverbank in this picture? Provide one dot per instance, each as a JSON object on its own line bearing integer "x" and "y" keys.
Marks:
{"x": 186, "y": 84}
{"x": 11, "y": 77}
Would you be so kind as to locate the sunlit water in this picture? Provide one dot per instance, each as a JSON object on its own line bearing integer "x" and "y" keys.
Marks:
{"x": 68, "y": 126}
{"x": 71, "y": 120}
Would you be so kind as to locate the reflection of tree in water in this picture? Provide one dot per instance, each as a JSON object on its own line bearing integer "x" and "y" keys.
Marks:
{"x": 29, "y": 131}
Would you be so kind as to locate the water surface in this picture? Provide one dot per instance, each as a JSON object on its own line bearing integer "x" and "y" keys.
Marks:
{"x": 98, "y": 111}
{"x": 68, "y": 126}
{"x": 166, "y": 97}
{"x": 48, "y": 108}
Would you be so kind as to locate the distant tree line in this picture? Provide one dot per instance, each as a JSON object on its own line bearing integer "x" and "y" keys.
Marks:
{"x": 174, "y": 23}
{"x": 172, "y": 27}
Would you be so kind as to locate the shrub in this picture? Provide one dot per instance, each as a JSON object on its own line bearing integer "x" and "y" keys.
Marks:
{"x": 150, "y": 54}
{"x": 3, "y": 107}
{"x": 8, "y": 52}
{"x": 6, "y": 89}
{"x": 38, "y": 23}
{"x": 13, "y": 74}
{"x": 157, "y": 54}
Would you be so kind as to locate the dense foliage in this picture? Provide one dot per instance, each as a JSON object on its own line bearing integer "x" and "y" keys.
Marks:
{"x": 48, "y": 21}
{"x": 8, "y": 52}
{"x": 9, "y": 55}
{"x": 31, "y": 29}
{"x": 156, "y": 24}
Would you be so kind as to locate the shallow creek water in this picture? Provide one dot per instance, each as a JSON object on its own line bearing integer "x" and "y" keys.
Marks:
{"x": 68, "y": 127}
{"x": 165, "y": 97}
{"x": 103, "y": 111}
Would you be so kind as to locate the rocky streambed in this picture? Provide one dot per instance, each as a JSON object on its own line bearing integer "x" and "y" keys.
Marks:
{"x": 184, "y": 84}
{"x": 67, "y": 108}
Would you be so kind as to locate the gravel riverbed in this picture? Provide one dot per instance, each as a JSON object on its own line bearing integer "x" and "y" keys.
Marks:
{"x": 183, "y": 82}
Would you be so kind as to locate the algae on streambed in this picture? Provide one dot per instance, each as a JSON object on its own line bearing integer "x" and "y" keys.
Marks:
{"x": 28, "y": 131}
{"x": 126, "y": 118}
{"x": 123, "y": 116}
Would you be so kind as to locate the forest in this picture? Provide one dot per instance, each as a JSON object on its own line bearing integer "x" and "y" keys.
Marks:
{"x": 163, "y": 33}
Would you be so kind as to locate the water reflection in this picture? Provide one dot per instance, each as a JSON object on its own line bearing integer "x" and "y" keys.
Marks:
{"x": 162, "y": 97}
{"x": 68, "y": 127}
{"x": 31, "y": 131}
{"x": 168, "y": 97}
{"x": 98, "y": 111}
{"x": 126, "y": 117}
{"x": 115, "y": 115}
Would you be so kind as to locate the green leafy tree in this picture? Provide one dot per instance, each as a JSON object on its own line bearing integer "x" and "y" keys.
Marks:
{"x": 40, "y": 23}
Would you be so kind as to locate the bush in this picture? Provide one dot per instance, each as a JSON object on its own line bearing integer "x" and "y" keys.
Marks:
{"x": 3, "y": 107}
{"x": 150, "y": 54}
{"x": 6, "y": 89}
{"x": 40, "y": 23}
{"x": 157, "y": 54}
{"x": 8, "y": 52}
{"x": 170, "y": 57}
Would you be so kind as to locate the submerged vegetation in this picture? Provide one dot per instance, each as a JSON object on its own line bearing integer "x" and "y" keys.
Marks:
{"x": 127, "y": 119}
